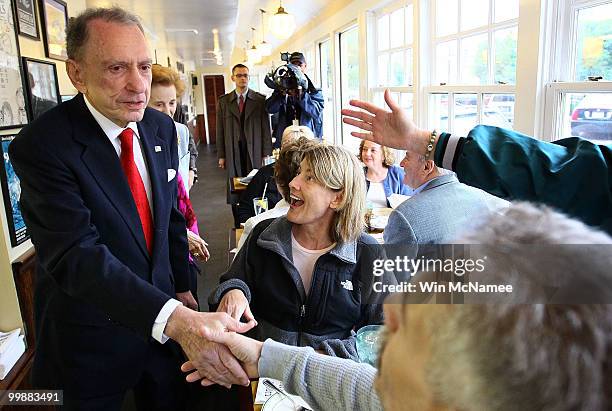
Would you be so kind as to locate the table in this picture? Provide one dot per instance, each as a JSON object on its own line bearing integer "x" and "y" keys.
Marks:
{"x": 236, "y": 186}
{"x": 233, "y": 238}
{"x": 378, "y": 233}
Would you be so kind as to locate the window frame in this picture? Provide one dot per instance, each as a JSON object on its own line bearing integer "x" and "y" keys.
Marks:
{"x": 559, "y": 73}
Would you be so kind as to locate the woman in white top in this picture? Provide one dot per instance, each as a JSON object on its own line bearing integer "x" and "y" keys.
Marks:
{"x": 383, "y": 178}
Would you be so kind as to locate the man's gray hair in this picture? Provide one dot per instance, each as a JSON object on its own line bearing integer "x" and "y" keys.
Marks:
{"x": 550, "y": 357}
{"x": 77, "y": 31}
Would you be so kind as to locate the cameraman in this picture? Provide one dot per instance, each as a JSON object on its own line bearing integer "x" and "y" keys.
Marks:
{"x": 303, "y": 103}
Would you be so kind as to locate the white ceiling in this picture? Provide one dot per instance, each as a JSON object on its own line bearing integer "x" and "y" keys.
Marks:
{"x": 162, "y": 17}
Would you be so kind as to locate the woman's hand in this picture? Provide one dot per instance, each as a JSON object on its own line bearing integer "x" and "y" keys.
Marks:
{"x": 197, "y": 246}
{"x": 236, "y": 305}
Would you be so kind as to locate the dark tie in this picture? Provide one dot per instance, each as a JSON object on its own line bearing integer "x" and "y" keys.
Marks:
{"x": 241, "y": 103}
{"x": 136, "y": 185}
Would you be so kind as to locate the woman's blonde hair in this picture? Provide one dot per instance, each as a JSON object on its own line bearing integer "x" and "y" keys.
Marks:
{"x": 388, "y": 157}
{"x": 337, "y": 169}
{"x": 166, "y": 76}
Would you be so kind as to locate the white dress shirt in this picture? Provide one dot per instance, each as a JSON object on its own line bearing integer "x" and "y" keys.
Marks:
{"x": 113, "y": 131}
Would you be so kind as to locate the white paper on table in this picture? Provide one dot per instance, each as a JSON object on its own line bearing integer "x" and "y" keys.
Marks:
{"x": 249, "y": 177}
{"x": 396, "y": 199}
{"x": 8, "y": 339}
{"x": 264, "y": 393}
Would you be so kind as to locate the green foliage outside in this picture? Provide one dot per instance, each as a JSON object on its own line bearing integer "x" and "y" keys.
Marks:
{"x": 595, "y": 66}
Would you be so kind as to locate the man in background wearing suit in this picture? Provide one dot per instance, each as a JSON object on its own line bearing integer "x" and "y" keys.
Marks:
{"x": 98, "y": 178}
{"x": 243, "y": 127}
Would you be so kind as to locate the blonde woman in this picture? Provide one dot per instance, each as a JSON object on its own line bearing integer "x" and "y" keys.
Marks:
{"x": 383, "y": 178}
{"x": 304, "y": 277}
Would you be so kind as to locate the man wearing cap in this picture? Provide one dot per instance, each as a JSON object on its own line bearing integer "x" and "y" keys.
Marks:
{"x": 303, "y": 107}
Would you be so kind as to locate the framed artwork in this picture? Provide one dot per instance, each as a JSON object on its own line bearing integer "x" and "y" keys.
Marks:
{"x": 12, "y": 100}
{"x": 27, "y": 22}
{"x": 42, "y": 87}
{"x": 54, "y": 18}
{"x": 11, "y": 192}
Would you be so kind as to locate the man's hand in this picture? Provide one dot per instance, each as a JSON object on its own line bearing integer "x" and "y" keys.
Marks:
{"x": 196, "y": 333}
{"x": 245, "y": 349}
{"x": 197, "y": 246}
{"x": 221, "y": 163}
{"x": 392, "y": 129}
{"x": 187, "y": 299}
{"x": 236, "y": 304}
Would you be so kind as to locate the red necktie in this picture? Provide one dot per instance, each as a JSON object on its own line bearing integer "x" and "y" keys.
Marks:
{"x": 136, "y": 185}
{"x": 241, "y": 103}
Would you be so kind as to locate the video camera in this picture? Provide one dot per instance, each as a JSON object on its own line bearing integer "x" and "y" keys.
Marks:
{"x": 287, "y": 78}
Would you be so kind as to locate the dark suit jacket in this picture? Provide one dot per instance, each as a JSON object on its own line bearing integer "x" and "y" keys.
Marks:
{"x": 256, "y": 129}
{"x": 98, "y": 290}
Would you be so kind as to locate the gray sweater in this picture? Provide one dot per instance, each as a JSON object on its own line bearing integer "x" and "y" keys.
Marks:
{"x": 326, "y": 383}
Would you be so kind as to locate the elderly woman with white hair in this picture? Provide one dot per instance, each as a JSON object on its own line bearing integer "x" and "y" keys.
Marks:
{"x": 305, "y": 277}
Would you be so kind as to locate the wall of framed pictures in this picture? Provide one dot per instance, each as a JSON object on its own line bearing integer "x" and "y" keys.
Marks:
{"x": 21, "y": 43}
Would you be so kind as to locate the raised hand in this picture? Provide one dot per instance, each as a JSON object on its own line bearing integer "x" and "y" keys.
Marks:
{"x": 236, "y": 304}
{"x": 196, "y": 333}
{"x": 245, "y": 349}
{"x": 392, "y": 129}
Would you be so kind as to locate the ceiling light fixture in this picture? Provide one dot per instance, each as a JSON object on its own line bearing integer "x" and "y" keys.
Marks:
{"x": 192, "y": 31}
{"x": 283, "y": 23}
{"x": 253, "y": 53}
{"x": 265, "y": 49}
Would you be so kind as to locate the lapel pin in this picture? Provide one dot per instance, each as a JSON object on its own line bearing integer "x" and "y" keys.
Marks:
{"x": 157, "y": 149}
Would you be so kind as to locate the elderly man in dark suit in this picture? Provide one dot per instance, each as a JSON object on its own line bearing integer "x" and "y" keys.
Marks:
{"x": 243, "y": 127}
{"x": 98, "y": 178}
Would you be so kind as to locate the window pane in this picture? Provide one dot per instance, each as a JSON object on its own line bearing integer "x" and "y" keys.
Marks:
{"x": 446, "y": 17}
{"x": 505, "y": 55}
{"x": 379, "y": 99}
{"x": 498, "y": 110}
{"x": 409, "y": 26}
{"x": 588, "y": 115}
{"x": 398, "y": 69}
{"x": 349, "y": 74}
{"x": 383, "y": 66}
{"x": 446, "y": 62}
{"x": 383, "y": 32}
{"x": 326, "y": 86}
{"x": 594, "y": 42}
{"x": 438, "y": 112}
{"x": 465, "y": 113}
{"x": 506, "y": 10}
{"x": 473, "y": 62}
{"x": 396, "y": 27}
{"x": 406, "y": 103}
{"x": 474, "y": 13}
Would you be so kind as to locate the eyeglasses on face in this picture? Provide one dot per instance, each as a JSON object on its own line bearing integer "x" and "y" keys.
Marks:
{"x": 241, "y": 75}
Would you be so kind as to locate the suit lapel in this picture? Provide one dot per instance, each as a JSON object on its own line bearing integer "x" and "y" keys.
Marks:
{"x": 156, "y": 165}
{"x": 100, "y": 157}
{"x": 233, "y": 105}
{"x": 250, "y": 106}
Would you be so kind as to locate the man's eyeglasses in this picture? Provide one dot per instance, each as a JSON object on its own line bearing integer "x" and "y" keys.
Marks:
{"x": 241, "y": 75}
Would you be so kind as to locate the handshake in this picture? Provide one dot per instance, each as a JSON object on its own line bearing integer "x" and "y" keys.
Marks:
{"x": 216, "y": 353}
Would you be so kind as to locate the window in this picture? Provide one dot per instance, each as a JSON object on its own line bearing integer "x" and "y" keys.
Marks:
{"x": 579, "y": 102}
{"x": 326, "y": 76}
{"x": 474, "y": 46}
{"x": 393, "y": 55}
{"x": 349, "y": 80}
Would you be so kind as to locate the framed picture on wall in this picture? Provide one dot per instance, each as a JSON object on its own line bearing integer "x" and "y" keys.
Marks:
{"x": 11, "y": 191}
{"x": 12, "y": 100}
{"x": 54, "y": 18}
{"x": 42, "y": 87}
{"x": 27, "y": 22}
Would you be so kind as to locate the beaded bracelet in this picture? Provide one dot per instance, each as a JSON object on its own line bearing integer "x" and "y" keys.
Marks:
{"x": 430, "y": 146}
